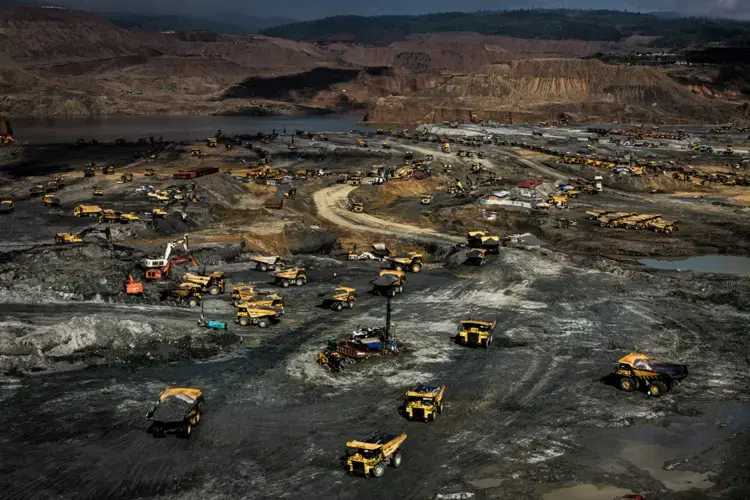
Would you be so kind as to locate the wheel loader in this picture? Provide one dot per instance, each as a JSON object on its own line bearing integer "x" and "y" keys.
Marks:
{"x": 293, "y": 276}
{"x": 636, "y": 370}
{"x": 371, "y": 455}
{"x": 483, "y": 239}
{"x": 177, "y": 410}
{"x": 424, "y": 402}
{"x": 263, "y": 264}
{"x": 411, "y": 261}
{"x": 213, "y": 283}
{"x": 341, "y": 297}
{"x": 253, "y": 315}
{"x": 475, "y": 333}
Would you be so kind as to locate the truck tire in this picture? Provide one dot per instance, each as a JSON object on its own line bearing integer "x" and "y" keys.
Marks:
{"x": 440, "y": 408}
{"x": 157, "y": 431}
{"x": 263, "y": 323}
{"x": 431, "y": 417}
{"x": 657, "y": 389}
{"x": 350, "y": 304}
{"x": 627, "y": 384}
{"x": 193, "y": 302}
{"x": 337, "y": 306}
{"x": 244, "y": 321}
{"x": 262, "y": 267}
{"x": 378, "y": 470}
{"x": 214, "y": 290}
{"x": 186, "y": 430}
{"x": 301, "y": 281}
{"x": 398, "y": 267}
{"x": 397, "y": 459}
{"x": 285, "y": 283}
{"x": 416, "y": 268}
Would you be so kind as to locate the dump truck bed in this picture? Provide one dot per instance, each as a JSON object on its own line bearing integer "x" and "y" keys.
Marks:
{"x": 171, "y": 410}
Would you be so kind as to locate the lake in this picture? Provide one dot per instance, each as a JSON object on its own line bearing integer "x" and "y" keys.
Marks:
{"x": 719, "y": 264}
{"x": 171, "y": 128}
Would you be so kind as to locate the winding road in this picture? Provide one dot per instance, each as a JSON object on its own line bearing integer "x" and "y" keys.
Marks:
{"x": 331, "y": 205}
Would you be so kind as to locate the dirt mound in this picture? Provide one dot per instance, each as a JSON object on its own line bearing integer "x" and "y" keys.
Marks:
{"x": 221, "y": 189}
{"x": 545, "y": 88}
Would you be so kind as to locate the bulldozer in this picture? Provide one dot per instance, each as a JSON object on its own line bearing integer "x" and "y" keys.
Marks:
{"x": 424, "y": 402}
{"x": 483, "y": 239}
{"x": 293, "y": 276}
{"x": 87, "y": 211}
{"x": 251, "y": 315}
{"x": 358, "y": 207}
{"x": 341, "y": 297}
{"x": 373, "y": 454}
{"x": 213, "y": 283}
{"x": 355, "y": 181}
{"x": 476, "y": 333}
{"x": 426, "y": 199}
{"x": 411, "y": 261}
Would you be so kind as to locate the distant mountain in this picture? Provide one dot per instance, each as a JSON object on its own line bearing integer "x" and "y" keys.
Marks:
{"x": 235, "y": 24}
{"x": 547, "y": 24}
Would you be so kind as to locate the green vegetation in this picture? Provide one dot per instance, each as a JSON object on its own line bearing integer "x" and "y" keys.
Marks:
{"x": 557, "y": 24}
{"x": 236, "y": 24}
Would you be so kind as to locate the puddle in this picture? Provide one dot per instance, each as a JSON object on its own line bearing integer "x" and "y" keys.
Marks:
{"x": 586, "y": 492}
{"x": 488, "y": 482}
{"x": 656, "y": 450}
{"x": 718, "y": 264}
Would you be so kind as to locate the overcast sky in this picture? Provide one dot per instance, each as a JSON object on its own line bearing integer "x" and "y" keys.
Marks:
{"x": 311, "y": 9}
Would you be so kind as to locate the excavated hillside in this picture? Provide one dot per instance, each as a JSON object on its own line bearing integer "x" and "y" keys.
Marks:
{"x": 545, "y": 89}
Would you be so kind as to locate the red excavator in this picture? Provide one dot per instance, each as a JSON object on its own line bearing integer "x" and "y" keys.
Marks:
{"x": 160, "y": 273}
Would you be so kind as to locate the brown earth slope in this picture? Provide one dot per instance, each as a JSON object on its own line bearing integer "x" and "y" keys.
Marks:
{"x": 545, "y": 89}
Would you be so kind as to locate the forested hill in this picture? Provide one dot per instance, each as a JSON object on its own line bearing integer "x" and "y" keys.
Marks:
{"x": 551, "y": 24}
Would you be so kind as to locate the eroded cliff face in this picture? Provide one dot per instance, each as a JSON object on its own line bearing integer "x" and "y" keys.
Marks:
{"x": 544, "y": 89}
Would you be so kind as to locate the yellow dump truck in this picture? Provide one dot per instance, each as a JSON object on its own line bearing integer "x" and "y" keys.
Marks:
{"x": 475, "y": 333}
{"x": 109, "y": 215}
{"x": 87, "y": 211}
{"x": 610, "y": 220}
{"x": 424, "y": 402}
{"x": 213, "y": 283}
{"x": 51, "y": 201}
{"x": 341, "y": 297}
{"x": 637, "y": 221}
{"x": 264, "y": 263}
{"x": 373, "y": 454}
{"x": 389, "y": 282}
{"x": 262, "y": 317}
{"x": 483, "y": 239}
{"x": 411, "y": 261}
{"x": 242, "y": 293}
{"x": 293, "y": 276}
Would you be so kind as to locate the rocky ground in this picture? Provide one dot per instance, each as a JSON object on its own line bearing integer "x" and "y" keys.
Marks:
{"x": 532, "y": 417}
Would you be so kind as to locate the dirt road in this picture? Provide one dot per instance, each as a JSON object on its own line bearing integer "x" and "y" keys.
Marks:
{"x": 331, "y": 205}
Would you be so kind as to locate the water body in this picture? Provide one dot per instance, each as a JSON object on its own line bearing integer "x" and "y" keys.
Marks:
{"x": 171, "y": 128}
{"x": 718, "y": 264}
